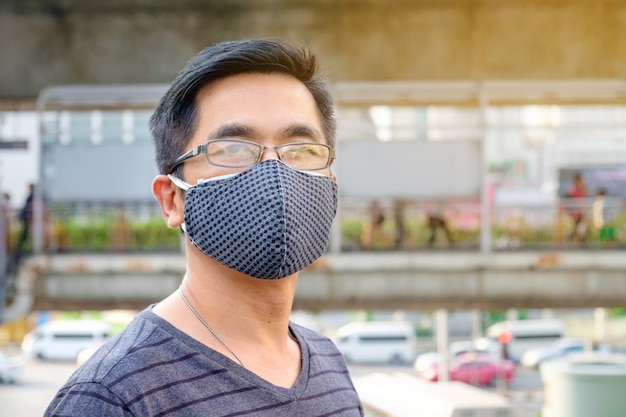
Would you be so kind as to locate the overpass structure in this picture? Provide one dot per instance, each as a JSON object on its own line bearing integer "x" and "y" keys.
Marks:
{"x": 359, "y": 280}
{"x": 68, "y": 42}
{"x": 472, "y": 54}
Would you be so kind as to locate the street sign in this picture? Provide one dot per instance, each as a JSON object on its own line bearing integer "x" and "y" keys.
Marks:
{"x": 505, "y": 337}
{"x": 13, "y": 144}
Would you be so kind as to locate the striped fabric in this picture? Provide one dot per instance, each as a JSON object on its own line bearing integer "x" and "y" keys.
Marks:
{"x": 153, "y": 369}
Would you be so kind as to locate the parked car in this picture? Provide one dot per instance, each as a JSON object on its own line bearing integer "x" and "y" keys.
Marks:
{"x": 482, "y": 346}
{"x": 64, "y": 339}
{"x": 559, "y": 349}
{"x": 425, "y": 361}
{"x": 377, "y": 342}
{"x": 475, "y": 369}
{"x": 478, "y": 346}
{"x": 11, "y": 369}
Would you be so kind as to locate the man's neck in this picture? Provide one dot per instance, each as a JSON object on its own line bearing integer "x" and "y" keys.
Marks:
{"x": 251, "y": 315}
{"x": 235, "y": 297}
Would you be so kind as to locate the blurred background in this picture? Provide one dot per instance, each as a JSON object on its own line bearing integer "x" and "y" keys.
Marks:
{"x": 481, "y": 159}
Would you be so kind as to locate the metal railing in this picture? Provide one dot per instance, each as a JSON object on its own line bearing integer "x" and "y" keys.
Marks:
{"x": 99, "y": 227}
{"x": 454, "y": 224}
{"x": 405, "y": 225}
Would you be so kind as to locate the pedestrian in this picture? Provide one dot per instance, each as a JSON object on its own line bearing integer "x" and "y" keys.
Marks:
{"x": 399, "y": 215}
{"x": 577, "y": 195}
{"x": 373, "y": 234}
{"x": 6, "y": 222}
{"x": 601, "y": 221}
{"x": 244, "y": 143}
{"x": 436, "y": 220}
{"x": 26, "y": 219}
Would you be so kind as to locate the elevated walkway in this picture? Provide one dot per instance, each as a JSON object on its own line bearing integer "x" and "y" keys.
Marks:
{"x": 394, "y": 280}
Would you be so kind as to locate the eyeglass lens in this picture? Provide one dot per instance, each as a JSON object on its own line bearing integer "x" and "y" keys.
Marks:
{"x": 235, "y": 154}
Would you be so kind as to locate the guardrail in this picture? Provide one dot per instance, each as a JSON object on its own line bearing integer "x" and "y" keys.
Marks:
{"x": 362, "y": 226}
{"x": 456, "y": 224}
{"x": 98, "y": 227}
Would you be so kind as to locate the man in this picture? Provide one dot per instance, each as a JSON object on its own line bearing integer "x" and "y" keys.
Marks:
{"x": 244, "y": 142}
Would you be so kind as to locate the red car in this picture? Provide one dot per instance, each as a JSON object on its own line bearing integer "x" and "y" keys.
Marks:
{"x": 473, "y": 369}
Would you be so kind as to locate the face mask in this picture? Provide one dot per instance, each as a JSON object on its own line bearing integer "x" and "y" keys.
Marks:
{"x": 268, "y": 222}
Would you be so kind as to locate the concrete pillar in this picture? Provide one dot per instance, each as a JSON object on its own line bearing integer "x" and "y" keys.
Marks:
{"x": 441, "y": 320}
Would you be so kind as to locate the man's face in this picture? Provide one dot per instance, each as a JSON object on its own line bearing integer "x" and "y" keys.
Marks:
{"x": 267, "y": 109}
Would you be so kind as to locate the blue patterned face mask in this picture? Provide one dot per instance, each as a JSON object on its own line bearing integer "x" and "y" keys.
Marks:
{"x": 269, "y": 222}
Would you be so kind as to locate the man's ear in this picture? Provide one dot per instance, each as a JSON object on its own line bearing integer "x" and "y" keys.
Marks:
{"x": 170, "y": 200}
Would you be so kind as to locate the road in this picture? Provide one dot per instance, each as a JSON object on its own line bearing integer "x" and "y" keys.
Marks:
{"x": 30, "y": 396}
{"x": 41, "y": 380}
{"x": 525, "y": 392}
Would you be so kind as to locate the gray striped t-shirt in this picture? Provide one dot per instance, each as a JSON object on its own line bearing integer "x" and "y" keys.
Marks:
{"x": 153, "y": 369}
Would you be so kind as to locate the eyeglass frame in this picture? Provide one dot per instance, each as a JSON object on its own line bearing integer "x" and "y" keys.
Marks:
{"x": 205, "y": 147}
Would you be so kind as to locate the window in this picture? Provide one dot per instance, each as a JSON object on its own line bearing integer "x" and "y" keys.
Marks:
{"x": 67, "y": 336}
{"x": 383, "y": 339}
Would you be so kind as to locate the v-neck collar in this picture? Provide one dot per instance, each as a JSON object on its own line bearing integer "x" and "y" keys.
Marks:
{"x": 293, "y": 393}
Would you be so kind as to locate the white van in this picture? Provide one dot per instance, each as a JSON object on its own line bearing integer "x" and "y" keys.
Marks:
{"x": 65, "y": 339}
{"x": 527, "y": 334}
{"x": 377, "y": 342}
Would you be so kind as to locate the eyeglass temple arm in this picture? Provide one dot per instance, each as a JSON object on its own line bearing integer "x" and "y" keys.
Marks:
{"x": 195, "y": 151}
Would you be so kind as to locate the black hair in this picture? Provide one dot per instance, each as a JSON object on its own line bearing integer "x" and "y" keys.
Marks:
{"x": 173, "y": 122}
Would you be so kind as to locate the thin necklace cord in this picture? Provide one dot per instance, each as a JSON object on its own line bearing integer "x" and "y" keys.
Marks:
{"x": 206, "y": 325}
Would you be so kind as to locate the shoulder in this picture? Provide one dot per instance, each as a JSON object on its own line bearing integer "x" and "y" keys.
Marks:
{"x": 145, "y": 343}
{"x": 90, "y": 387}
{"x": 78, "y": 399}
{"x": 142, "y": 332}
{"x": 137, "y": 360}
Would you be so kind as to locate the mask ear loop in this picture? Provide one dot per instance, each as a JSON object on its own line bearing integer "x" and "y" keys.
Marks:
{"x": 179, "y": 183}
{"x": 314, "y": 173}
{"x": 183, "y": 186}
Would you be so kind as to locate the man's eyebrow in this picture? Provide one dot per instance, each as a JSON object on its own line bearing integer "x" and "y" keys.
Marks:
{"x": 237, "y": 130}
{"x": 232, "y": 130}
{"x": 303, "y": 130}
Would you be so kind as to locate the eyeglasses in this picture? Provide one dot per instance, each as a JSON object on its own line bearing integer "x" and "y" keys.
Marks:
{"x": 236, "y": 153}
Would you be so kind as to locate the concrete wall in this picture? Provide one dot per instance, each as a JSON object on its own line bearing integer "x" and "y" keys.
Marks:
{"x": 398, "y": 280}
{"x": 48, "y": 42}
